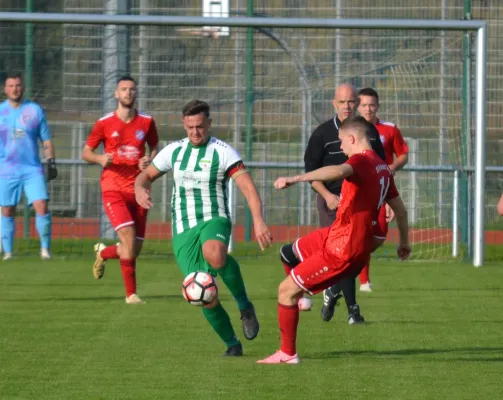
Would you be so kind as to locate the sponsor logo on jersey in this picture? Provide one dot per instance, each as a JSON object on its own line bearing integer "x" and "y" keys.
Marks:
{"x": 221, "y": 236}
{"x": 115, "y": 134}
{"x": 383, "y": 138}
{"x": 205, "y": 164}
{"x": 140, "y": 134}
{"x": 18, "y": 133}
{"x": 129, "y": 152}
{"x": 190, "y": 180}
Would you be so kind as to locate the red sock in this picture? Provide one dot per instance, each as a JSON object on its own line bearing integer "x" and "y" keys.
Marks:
{"x": 128, "y": 268}
{"x": 287, "y": 269}
{"x": 288, "y": 318}
{"x": 364, "y": 275}
{"x": 109, "y": 252}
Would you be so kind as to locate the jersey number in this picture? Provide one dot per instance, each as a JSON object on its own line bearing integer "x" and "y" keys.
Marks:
{"x": 384, "y": 190}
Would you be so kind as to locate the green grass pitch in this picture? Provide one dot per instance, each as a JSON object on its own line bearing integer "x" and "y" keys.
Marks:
{"x": 434, "y": 332}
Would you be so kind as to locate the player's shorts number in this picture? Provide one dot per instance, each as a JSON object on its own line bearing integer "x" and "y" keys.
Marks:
{"x": 384, "y": 190}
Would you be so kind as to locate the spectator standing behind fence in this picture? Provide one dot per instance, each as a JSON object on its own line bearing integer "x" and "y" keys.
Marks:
{"x": 124, "y": 134}
{"x": 394, "y": 145}
{"x": 324, "y": 149}
{"x": 22, "y": 126}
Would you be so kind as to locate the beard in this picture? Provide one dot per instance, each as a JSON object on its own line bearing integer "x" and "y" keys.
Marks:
{"x": 16, "y": 98}
{"x": 127, "y": 103}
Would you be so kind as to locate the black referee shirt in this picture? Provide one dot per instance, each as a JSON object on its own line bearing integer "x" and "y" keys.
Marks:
{"x": 324, "y": 148}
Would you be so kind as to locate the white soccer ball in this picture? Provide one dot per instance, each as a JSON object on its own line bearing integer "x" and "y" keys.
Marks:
{"x": 305, "y": 304}
{"x": 199, "y": 288}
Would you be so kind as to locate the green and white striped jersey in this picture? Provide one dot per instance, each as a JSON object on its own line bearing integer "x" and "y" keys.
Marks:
{"x": 200, "y": 180}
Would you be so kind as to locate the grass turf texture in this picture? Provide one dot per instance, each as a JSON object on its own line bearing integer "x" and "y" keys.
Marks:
{"x": 433, "y": 331}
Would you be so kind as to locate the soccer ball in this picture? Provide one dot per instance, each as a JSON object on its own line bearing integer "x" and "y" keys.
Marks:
{"x": 199, "y": 288}
{"x": 305, "y": 304}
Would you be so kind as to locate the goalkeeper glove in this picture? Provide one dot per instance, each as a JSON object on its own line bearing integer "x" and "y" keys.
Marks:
{"x": 51, "y": 170}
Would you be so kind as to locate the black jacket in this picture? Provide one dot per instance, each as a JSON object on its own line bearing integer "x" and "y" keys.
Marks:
{"x": 324, "y": 148}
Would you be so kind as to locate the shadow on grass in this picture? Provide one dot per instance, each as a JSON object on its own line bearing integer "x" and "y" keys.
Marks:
{"x": 93, "y": 298}
{"x": 483, "y": 353}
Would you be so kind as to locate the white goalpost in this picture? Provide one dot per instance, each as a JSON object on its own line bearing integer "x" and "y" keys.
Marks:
{"x": 432, "y": 180}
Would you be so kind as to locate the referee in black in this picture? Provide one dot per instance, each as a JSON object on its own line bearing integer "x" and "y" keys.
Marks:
{"x": 324, "y": 148}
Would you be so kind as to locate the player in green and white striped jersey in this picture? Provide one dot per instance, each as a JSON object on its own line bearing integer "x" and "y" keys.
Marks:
{"x": 202, "y": 166}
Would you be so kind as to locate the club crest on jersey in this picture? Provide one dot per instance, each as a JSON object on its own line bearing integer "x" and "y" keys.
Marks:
{"x": 205, "y": 164}
{"x": 28, "y": 115}
{"x": 140, "y": 135}
{"x": 383, "y": 139}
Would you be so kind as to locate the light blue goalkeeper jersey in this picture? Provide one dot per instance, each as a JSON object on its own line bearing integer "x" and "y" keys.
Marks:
{"x": 20, "y": 131}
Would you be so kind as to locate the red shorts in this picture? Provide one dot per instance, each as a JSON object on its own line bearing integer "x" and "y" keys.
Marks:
{"x": 310, "y": 244}
{"x": 381, "y": 228}
{"x": 321, "y": 270}
{"x": 123, "y": 210}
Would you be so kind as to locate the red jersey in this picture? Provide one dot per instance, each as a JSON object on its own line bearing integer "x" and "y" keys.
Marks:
{"x": 351, "y": 236}
{"x": 127, "y": 143}
{"x": 392, "y": 140}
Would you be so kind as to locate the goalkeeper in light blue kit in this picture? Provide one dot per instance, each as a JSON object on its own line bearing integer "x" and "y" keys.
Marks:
{"x": 22, "y": 125}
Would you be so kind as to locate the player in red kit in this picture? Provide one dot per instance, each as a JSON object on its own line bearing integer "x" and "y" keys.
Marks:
{"x": 394, "y": 145}
{"x": 124, "y": 134}
{"x": 350, "y": 239}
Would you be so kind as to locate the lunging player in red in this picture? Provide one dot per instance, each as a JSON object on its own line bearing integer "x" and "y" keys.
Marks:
{"x": 350, "y": 240}
{"x": 394, "y": 145}
{"x": 124, "y": 134}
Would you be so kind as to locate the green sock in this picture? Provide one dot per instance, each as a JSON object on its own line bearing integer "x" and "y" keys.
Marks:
{"x": 221, "y": 324}
{"x": 231, "y": 275}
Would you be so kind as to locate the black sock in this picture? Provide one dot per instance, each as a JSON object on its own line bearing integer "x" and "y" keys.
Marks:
{"x": 348, "y": 287}
{"x": 335, "y": 289}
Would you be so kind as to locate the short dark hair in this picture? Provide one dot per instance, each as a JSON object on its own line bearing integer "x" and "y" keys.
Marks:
{"x": 368, "y": 92}
{"x": 13, "y": 75}
{"x": 357, "y": 123}
{"x": 195, "y": 107}
{"x": 127, "y": 78}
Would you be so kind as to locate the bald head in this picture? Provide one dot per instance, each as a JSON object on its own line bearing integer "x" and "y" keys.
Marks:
{"x": 345, "y": 100}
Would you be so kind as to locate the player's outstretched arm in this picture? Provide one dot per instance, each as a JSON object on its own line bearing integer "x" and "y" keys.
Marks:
{"x": 245, "y": 183}
{"x": 402, "y": 222}
{"x": 330, "y": 173}
{"x": 143, "y": 184}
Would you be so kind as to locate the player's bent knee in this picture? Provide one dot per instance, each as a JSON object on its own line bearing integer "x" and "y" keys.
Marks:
{"x": 288, "y": 292}
{"x": 40, "y": 207}
{"x": 213, "y": 303}
{"x": 127, "y": 241}
{"x": 215, "y": 254}
{"x": 216, "y": 260}
{"x": 288, "y": 256}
